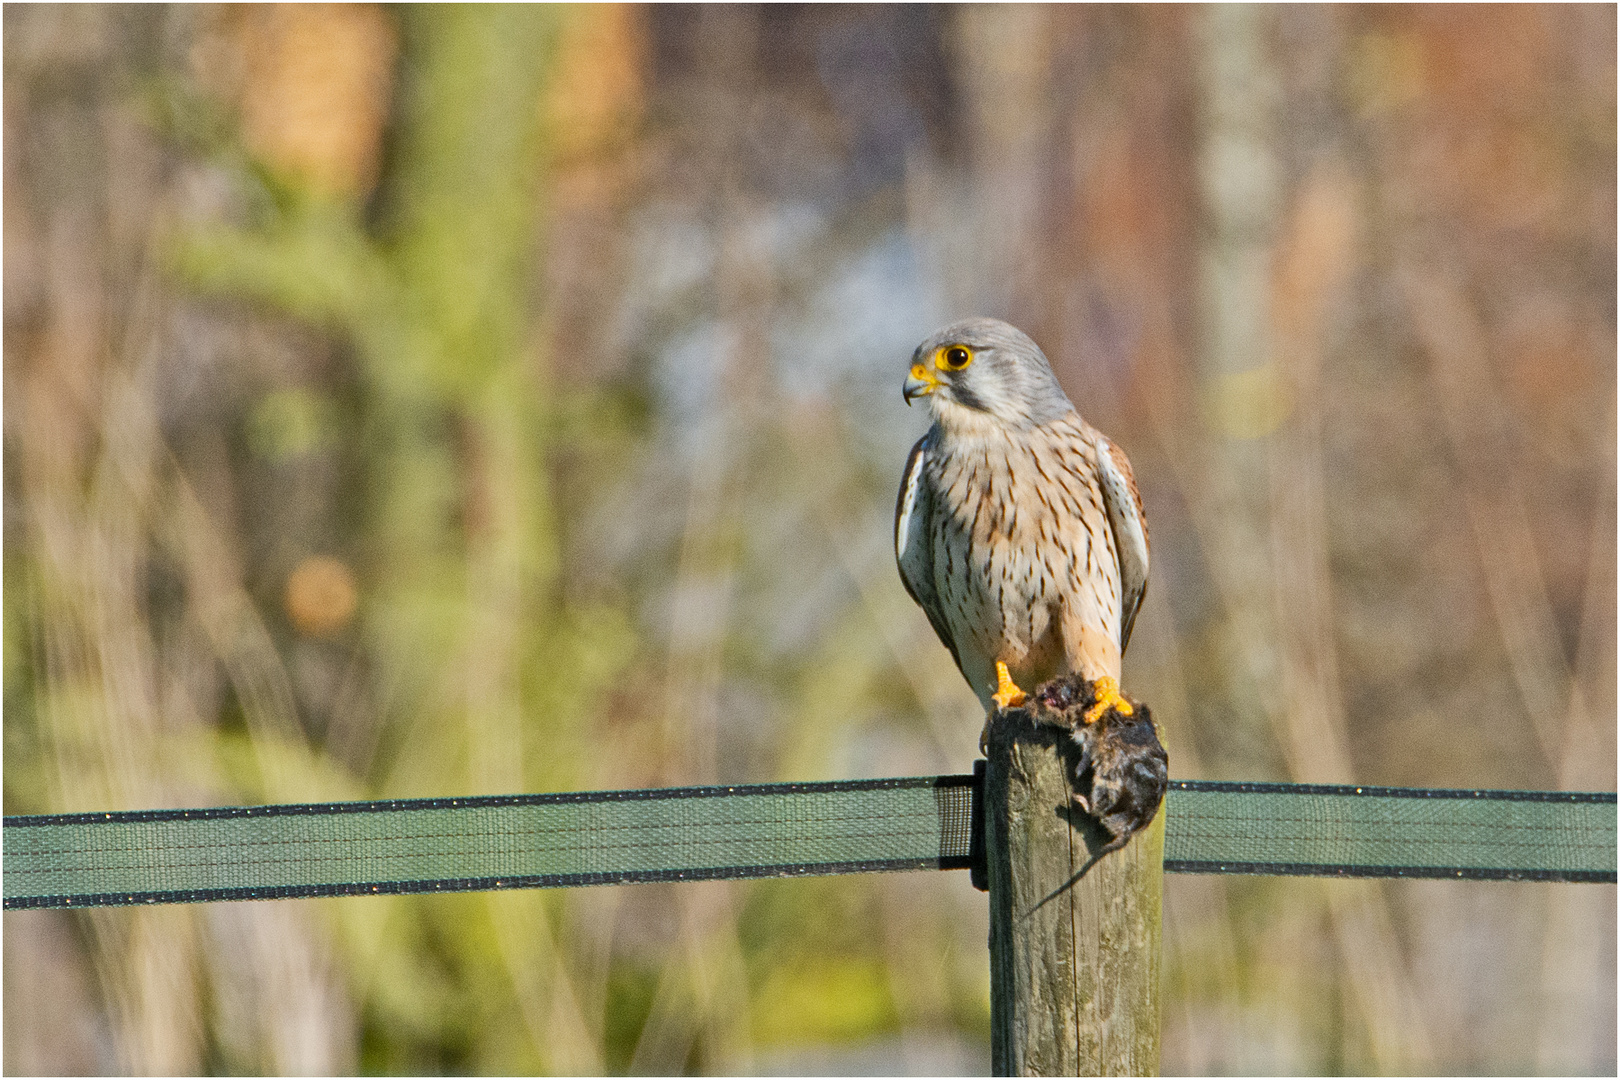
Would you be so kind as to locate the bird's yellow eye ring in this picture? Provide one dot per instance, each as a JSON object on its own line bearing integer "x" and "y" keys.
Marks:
{"x": 954, "y": 357}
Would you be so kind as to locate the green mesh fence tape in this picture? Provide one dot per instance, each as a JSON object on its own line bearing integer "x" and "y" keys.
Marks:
{"x": 675, "y": 834}
{"x": 503, "y": 842}
{"x": 1301, "y": 829}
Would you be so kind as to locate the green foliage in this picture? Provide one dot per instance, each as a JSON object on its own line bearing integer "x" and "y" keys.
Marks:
{"x": 631, "y": 989}
{"x": 492, "y": 668}
{"x": 809, "y": 945}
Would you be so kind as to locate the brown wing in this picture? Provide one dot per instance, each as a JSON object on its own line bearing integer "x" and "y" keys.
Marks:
{"x": 1124, "y": 504}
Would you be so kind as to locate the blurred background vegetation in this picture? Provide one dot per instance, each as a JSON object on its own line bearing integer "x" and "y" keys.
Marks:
{"x": 445, "y": 401}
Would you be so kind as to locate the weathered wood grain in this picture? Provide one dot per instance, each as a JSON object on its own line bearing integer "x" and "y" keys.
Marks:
{"x": 1074, "y": 961}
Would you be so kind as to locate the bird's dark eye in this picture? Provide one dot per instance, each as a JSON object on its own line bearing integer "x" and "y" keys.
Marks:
{"x": 956, "y": 357}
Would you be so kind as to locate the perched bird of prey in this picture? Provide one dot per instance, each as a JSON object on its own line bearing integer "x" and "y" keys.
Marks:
{"x": 1018, "y": 528}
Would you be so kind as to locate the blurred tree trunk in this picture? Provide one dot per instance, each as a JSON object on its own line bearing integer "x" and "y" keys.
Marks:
{"x": 1279, "y": 256}
{"x": 1241, "y": 386}
{"x": 1005, "y": 56}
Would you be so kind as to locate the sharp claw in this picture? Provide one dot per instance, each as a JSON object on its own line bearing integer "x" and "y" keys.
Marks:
{"x": 1007, "y": 695}
{"x": 1107, "y": 697}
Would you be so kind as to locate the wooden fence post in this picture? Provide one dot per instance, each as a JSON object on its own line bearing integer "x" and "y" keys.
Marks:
{"x": 1074, "y": 963}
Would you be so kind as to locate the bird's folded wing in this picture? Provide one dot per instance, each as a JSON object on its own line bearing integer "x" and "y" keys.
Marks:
{"x": 1125, "y": 515}
{"x": 914, "y": 544}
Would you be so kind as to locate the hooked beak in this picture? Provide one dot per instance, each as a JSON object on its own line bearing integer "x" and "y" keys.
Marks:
{"x": 920, "y": 383}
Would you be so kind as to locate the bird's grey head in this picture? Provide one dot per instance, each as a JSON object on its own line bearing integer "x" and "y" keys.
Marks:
{"x": 980, "y": 369}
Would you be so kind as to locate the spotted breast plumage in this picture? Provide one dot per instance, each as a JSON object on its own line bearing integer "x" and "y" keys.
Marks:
{"x": 1019, "y": 529}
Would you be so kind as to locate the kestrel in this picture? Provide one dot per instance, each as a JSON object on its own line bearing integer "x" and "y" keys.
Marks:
{"x": 1018, "y": 527}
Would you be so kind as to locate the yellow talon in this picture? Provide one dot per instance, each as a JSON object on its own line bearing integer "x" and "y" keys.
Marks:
{"x": 1108, "y": 696}
{"x": 1007, "y": 695}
